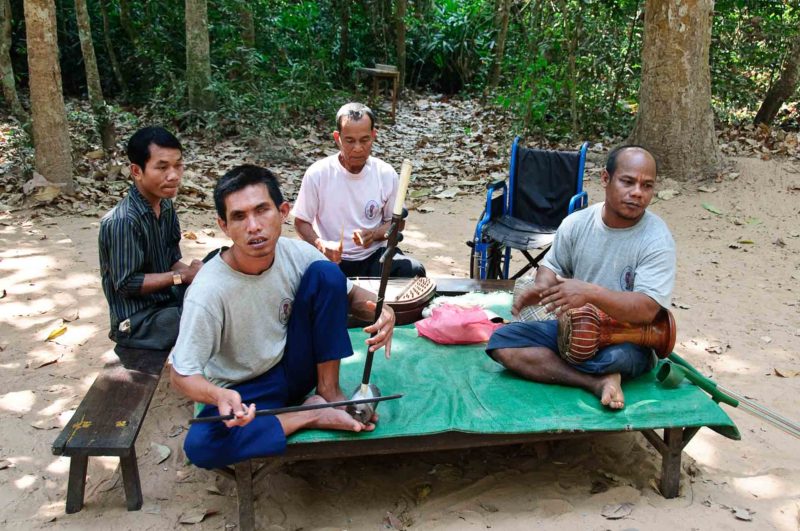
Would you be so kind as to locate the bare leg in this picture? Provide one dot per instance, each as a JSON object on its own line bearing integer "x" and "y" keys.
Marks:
{"x": 543, "y": 365}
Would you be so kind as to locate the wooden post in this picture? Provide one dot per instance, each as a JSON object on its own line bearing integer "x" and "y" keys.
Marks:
{"x": 244, "y": 491}
{"x": 130, "y": 481}
{"x": 671, "y": 462}
{"x": 77, "y": 483}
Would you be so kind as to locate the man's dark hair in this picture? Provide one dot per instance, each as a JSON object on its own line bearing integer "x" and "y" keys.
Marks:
{"x": 139, "y": 144}
{"x": 611, "y": 162}
{"x": 241, "y": 177}
{"x": 355, "y": 112}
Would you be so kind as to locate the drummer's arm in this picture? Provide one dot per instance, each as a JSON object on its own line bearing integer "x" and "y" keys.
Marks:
{"x": 626, "y": 306}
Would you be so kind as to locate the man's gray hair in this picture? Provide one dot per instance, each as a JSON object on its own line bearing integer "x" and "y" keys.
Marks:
{"x": 355, "y": 112}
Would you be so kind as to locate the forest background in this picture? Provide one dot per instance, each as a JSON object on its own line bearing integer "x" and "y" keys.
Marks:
{"x": 560, "y": 70}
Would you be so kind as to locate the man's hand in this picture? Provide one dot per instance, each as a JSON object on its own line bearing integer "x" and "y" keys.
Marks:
{"x": 188, "y": 274}
{"x": 384, "y": 327}
{"x": 229, "y": 401}
{"x": 532, "y": 295}
{"x": 363, "y": 237}
{"x": 331, "y": 250}
{"x": 566, "y": 294}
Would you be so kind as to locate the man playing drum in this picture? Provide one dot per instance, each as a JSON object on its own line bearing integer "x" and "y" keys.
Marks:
{"x": 615, "y": 255}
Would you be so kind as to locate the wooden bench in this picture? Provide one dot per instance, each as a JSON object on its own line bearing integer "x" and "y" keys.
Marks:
{"x": 108, "y": 420}
{"x": 386, "y": 73}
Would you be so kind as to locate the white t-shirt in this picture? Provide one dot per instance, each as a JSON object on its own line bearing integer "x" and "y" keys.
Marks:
{"x": 331, "y": 199}
{"x": 233, "y": 325}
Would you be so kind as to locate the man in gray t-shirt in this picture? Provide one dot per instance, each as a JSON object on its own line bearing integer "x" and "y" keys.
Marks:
{"x": 264, "y": 324}
{"x": 614, "y": 255}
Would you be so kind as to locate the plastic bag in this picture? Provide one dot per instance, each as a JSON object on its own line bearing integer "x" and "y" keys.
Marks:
{"x": 456, "y": 325}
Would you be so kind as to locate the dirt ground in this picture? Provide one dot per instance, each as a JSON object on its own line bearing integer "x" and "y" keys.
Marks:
{"x": 737, "y": 306}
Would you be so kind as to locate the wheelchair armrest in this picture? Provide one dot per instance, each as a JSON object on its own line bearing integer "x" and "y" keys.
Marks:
{"x": 579, "y": 201}
{"x": 492, "y": 186}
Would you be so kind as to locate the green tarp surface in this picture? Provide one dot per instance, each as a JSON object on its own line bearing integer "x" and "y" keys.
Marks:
{"x": 459, "y": 388}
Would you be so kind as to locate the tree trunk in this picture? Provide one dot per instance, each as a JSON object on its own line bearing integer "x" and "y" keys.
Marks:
{"x": 198, "y": 56}
{"x": 6, "y": 68}
{"x": 675, "y": 121}
{"x": 400, "y": 34}
{"x": 344, "y": 35}
{"x": 501, "y": 25}
{"x": 112, "y": 56}
{"x": 784, "y": 88}
{"x": 105, "y": 126}
{"x": 247, "y": 23}
{"x": 125, "y": 22}
{"x": 50, "y": 134}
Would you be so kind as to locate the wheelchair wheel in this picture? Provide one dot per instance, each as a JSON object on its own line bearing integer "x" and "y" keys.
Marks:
{"x": 494, "y": 263}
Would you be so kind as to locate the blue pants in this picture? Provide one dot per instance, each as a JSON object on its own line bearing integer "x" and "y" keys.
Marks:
{"x": 628, "y": 359}
{"x": 317, "y": 332}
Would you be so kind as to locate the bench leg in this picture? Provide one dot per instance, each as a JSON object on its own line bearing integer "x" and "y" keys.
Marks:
{"x": 130, "y": 481}
{"x": 244, "y": 491}
{"x": 77, "y": 482}
{"x": 671, "y": 462}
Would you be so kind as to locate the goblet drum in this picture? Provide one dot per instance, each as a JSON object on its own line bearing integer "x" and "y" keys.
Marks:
{"x": 585, "y": 330}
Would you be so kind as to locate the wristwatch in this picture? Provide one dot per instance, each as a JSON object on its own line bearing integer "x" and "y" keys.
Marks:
{"x": 176, "y": 279}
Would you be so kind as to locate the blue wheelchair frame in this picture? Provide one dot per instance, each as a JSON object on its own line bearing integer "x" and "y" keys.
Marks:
{"x": 483, "y": 250}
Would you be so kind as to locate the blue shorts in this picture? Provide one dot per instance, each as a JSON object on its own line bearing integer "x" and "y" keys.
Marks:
{"x": 628, "y": 359}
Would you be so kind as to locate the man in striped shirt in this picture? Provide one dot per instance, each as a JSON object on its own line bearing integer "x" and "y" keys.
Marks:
{"x": 140, "y": 256}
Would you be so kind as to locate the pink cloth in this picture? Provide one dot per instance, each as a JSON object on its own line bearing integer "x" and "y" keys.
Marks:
{"x": 455, "y": 325}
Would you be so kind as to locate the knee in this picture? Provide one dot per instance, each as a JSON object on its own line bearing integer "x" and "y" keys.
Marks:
{"x": 323, "y": 276}
{"x": 503, "y": 356}
{"x": 198, "y": 449}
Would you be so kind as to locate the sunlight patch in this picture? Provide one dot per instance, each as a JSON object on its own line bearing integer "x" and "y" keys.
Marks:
{"x": 18, "y": 401}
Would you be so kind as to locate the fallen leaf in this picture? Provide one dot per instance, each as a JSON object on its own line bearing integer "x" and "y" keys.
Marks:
{"x": 766, "y": 339}
{"x": 96, "y": 154}
{"x": 707, "y": 189}
{"x": 189, "y": 235}
{"x": 714, "y": 349}
{"x": 617, "y": 511}
{"x": 71, "y": 315}
{"x": 46, "y": 424}
{"x": 151, "y": 508}
{"x": 712, "y": 209}
{"x": 746, "y": 242}
{"x": 196, "y": 515}
{"x": 666, "y": 195}
{"x": 3, "y": 294}
{"x": 209, "y": 232}
{"x": 681, "y": 305}
{"x": 48, "y": 362}
{"x": 786, "y": 373}
{"x": 175, "y": 431}
{"x": 391, "y": 521}
{"x": 213, "y": 489}
{"x": 743, "y": 514}
{"x": 56, "y": 332}
{"x": 161, "y": 451}
{"x": 422, "y": 492}
{"x": 5, "y": 463}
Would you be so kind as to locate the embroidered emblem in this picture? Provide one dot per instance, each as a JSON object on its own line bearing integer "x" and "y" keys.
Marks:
{"x": 627, "y": 278}
{"x": 372, "y": 209}
{"x": 285, "y": 311}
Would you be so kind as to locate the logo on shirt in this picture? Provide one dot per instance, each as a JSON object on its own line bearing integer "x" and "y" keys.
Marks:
{"x": 371, "y": 209}
{"x": 284, "y": 311}
{"x": 626, "y": 279}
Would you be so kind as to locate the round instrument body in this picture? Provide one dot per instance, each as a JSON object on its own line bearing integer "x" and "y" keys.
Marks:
{"x": 406, "y": 296}
{"x": 364, "y": 412}
{"x": 579, "y": 334}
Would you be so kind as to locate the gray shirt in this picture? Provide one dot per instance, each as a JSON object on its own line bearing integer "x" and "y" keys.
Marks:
{"x": 233, "y": 326}
{"x": 639, "y": 258}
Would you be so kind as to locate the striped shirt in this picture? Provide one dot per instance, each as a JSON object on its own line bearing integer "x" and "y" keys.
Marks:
{"x": 133, "y": 242}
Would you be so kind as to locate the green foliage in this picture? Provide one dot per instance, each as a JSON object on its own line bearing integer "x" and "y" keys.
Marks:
{"x": 571, "y": 67}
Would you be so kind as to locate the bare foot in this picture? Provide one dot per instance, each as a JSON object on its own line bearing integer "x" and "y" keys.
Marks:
{"x": 609, "y": 390}
{"x": 334, "y": 419}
